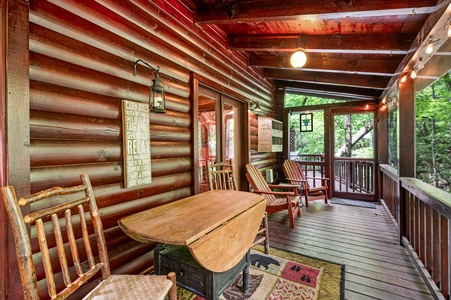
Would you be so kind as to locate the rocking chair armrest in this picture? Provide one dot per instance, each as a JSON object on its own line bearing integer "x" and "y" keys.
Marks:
{"x": 322, "y": 178}
{"x": 275, "y": 193}
{"x": 297, "y": 180}
{"x": 286, "y": 186}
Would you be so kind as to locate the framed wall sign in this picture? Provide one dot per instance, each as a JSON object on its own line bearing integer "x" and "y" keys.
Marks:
{"x": 306, "y": 122}
{"x": 136, "y": 143}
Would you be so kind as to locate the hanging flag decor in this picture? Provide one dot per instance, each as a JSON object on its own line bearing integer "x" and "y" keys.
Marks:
{"x": 306, "y": 122}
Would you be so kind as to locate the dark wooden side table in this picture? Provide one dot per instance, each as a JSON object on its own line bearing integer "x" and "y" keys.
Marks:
{"x": 193, "y": 277}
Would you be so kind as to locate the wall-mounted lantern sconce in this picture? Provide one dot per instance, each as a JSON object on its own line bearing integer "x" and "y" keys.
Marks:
{"x": 157, "y": 101}
{"x": 255, "y": 106}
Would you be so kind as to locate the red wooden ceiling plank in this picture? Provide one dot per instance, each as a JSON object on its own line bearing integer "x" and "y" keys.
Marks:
{"x": 272, "y": 10}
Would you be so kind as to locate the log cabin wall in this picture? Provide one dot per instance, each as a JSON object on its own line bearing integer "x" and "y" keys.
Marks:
{"x": 81, "y": 55}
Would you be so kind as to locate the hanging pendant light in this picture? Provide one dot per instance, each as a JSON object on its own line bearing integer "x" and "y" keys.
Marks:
{"x": 298, "y": 58}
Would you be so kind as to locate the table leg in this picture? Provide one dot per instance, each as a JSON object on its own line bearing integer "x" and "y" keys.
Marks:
{"x": 157, "y": 259}
{"x": 246, "y": 280}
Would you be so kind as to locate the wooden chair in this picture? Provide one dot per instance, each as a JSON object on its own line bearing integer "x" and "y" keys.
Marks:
{"x": 276, "y": 201}
{"x": 295, "y": 175}
{"x": 220, "y": 177}
{"x": 70, "y": 203}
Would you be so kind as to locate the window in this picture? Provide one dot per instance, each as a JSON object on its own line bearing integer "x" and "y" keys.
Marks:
{"x": 433, "y": 133}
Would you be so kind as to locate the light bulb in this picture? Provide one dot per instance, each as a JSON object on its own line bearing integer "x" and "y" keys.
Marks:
{"x": 298, "y": 59}
{"x": 404, "y": 78}
{"x": 413, "y": 74}
{"x": 429, "y": 48}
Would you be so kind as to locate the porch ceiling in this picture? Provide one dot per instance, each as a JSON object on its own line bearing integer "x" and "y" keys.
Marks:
{"x": 356, "y": 49}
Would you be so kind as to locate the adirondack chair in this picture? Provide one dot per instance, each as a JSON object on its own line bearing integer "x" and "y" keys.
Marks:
{"x": 70, "y": 203}
{"x": 276, "y": 200}
{"x": 220, "y": 177}
{"x": 294, "y": 175}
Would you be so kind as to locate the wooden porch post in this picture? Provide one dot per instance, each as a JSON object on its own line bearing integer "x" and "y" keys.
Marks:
{"x": 14, "y": 129}
{"x": 406, "y": 151}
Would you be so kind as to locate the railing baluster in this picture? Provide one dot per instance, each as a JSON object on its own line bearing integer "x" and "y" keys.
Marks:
{"x": 445, "y": 254}
{"x": 428, "y": 237}
{"x": 436, "y": 247}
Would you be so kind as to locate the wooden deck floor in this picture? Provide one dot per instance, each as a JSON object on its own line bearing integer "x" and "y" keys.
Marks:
{"x": 363, "y": 239}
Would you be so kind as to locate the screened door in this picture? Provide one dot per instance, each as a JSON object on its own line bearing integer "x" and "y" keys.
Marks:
{"x": 354, "y": 155}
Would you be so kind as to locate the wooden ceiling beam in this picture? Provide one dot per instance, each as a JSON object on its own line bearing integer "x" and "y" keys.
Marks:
{"x": 350, "y": 92}
{"x": 271, "y": 10}
{"x": 375, "y": 82}
{"x": 351, "y": 43}
{"x": 328, "y": 95}
{"x": 326, "y": 63}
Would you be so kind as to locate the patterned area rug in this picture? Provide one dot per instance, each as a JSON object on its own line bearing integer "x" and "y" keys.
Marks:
{"x": 285, "y": 276}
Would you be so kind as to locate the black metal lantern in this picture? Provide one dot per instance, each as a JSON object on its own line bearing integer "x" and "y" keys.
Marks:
{"x": 157, "y": 101}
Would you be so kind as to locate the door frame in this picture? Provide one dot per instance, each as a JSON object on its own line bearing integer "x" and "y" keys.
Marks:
{"x": 244, "y": 148}
{"x": 331, "y": 157}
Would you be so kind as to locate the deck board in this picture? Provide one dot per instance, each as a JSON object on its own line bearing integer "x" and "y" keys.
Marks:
{"x": 363, "y": 239}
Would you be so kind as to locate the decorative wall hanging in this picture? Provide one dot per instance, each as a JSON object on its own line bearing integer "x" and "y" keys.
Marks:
{"x": 306, "y": 121}
{"x": 136, "y": 143}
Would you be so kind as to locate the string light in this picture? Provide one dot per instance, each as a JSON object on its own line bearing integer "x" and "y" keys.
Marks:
{"x": 404, "y": 78}
{"x": 413, "y": 74}
{"x": 430, "y": 48}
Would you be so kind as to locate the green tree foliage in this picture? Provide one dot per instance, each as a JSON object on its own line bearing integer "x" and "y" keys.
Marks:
{"x": 308, "y": 142}
{"x": 433, "y": 133}
{"x": 296, "y": 100}
{"x": 353, "y": 135}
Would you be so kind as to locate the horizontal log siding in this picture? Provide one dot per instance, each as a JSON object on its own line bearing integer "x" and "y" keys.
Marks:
{"x": 81, "y": 58}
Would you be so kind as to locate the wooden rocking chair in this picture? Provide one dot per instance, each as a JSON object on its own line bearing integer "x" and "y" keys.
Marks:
{"x": 70, "y": 203}
{"x": 295, "y": 175}
{"x": 276, "y": 201}
{"x": 220, "y": 177}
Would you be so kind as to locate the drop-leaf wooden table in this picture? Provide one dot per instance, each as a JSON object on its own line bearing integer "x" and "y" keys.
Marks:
{"x": 217, "y": 227}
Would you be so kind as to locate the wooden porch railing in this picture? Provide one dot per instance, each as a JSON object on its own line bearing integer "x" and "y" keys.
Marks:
{"x": 422, "y": 214}
{"x": 351, "y": 175}
{"x": 354, "y": 175}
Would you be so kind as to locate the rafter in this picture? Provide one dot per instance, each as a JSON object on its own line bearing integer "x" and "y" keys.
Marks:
{"x": 351, "y": 43}
{"x": 375, "y": 82}
{"x": 272, "y": 10}
{"x": 336, "y": 90}
{"x": 327, "y": 63}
